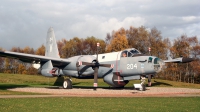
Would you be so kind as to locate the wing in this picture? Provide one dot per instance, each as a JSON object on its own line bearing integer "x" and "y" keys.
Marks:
{"x": 179, "y": 60}
{"x": 30, "y": 58}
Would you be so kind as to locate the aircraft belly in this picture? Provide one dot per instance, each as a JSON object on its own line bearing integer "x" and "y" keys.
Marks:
{"x": 72, "y": 73}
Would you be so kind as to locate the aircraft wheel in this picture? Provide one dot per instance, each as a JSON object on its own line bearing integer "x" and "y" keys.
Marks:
{"x": 67, "y": 84}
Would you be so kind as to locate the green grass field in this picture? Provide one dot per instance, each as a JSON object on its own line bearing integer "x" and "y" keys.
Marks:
{"x": 74, "y": 104}
{"x": 84, "y": 104}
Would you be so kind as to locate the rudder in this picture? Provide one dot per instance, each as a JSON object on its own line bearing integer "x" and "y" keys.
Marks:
{"x": 51, "y": 44}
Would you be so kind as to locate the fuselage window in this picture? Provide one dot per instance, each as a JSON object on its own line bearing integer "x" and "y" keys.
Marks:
{"x": 150, "y": 60}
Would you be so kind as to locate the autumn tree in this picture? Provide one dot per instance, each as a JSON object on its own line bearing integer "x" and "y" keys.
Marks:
{"x": 119, "y": 41}
{"x": 90, "y": 45}
{"x": 72, "y": 47}
{"x": 28, "y": 50}
{"x": 1, "y": 61}
{"x": 7, "y": 66}
{"x": 194, "y": 67}
{"x": 138, "y": 38}
{"x": 185, "y": 46}
{"x": 40, "y": 50}
{"x": 109, "y": 38}
{"x": 159, "y": 46}
{"x": 61, "y": 43}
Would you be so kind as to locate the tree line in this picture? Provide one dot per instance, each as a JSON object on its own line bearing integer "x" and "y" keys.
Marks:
{"x": 140, "y": 38}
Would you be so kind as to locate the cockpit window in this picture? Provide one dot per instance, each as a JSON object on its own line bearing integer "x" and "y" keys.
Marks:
{"x": 126, "y": 54}
{"x": 129, "y": 54}
{"x": 135, "y": 51}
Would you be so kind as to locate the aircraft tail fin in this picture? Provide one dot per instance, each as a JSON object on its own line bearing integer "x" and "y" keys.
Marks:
{"x": 51, "y": 44}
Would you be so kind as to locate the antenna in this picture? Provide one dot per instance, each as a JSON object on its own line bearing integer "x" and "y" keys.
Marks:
{"x": 149, "y": 50}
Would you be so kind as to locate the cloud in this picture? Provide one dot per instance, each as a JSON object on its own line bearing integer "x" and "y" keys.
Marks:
{"x": 115, "y": 24}
{"x": 25, "y": 23}
{"x": 99, "y": 27}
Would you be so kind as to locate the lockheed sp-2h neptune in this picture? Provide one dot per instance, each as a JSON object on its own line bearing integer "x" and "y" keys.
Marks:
{"x": 116, "y": 68}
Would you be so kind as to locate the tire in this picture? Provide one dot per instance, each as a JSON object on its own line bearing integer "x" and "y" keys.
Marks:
{"x": 67, "y": 84}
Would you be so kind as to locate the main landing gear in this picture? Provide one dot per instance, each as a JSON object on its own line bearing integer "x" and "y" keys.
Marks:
{"x": 143, "y": 86}
{"x": 67, "y": 84}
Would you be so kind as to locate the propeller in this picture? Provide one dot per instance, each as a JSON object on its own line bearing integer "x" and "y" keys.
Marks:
{"x": 95, "y": 65}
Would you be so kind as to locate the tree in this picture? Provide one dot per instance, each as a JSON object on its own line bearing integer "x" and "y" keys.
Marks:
{"x": 61, "y": 43}
{"x": 90, "y": 45}
{"x": 138, "y": 38}
{"x": 108, "y": 38}
{"x": 180, "y": 47}
{"x": 186, "y": 47}
{"x": 28, "y": 50}
{"x": 1, "y": 62}
{"x": 119, "y": 41}
{"x": 7, "y": 66}
{"x": 40, "y": 50}
{"x": 159, "y": 46}
{"x": 72, "y": 47}
{"x": 194, "y": 70}
{"x": 22, "y": 69}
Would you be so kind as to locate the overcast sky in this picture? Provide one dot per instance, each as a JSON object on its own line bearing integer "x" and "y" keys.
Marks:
{"x": 25, "y": 22}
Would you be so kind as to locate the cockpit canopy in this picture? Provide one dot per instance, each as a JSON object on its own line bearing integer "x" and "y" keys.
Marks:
{"x": 130, "y": 52}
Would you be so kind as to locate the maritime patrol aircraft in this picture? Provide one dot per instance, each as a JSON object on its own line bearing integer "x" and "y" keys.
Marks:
{"x": 116, "y": 68}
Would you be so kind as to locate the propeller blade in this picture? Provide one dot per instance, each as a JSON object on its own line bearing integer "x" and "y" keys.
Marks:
{"x": 107, "y": 65}
{"x": 84, "y": 63}
{"x": 95, "y": 85}
{"x": 89, "y": 64}
{"x": 98, "y": 44}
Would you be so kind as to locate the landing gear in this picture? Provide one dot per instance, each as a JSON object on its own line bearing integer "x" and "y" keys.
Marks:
{"x": 143, "y": 86}
{"x": 67, "y": 84}
{"x": 149, "y": 80}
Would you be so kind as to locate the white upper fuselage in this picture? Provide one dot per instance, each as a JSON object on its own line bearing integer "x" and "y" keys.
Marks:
{"x": 108, "y": 57}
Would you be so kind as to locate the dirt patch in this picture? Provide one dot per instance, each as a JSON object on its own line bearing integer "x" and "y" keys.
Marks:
{"x": 100, "y": 92}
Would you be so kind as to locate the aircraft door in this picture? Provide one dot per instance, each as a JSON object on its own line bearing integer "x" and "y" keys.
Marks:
{"x": 128, "y": 66}
{"x": 123, "y": 62}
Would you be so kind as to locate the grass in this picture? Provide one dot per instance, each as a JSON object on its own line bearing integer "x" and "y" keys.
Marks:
{"x": 8, "y": 81}
{"x": 72, "y": 104}
{"x": 77, "y": 104}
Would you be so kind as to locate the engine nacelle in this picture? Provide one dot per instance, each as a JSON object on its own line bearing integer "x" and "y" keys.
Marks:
{"x": 115, "y": 80}
{"x": 83, "y": 69}
{"x": 73, "y": 70}
{"x": 50, "y": 72}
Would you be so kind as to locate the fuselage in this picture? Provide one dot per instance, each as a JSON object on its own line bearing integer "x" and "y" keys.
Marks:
{"x": 133, "y": 64}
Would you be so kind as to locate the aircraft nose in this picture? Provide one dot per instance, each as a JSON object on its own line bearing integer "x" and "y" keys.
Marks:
{"x": 158, "y": 64}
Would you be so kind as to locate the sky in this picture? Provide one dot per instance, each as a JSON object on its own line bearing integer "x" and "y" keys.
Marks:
{"x": 26, "y": 22}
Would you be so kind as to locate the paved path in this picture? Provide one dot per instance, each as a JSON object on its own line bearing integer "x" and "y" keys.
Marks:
{"x": 80, "y": 92}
